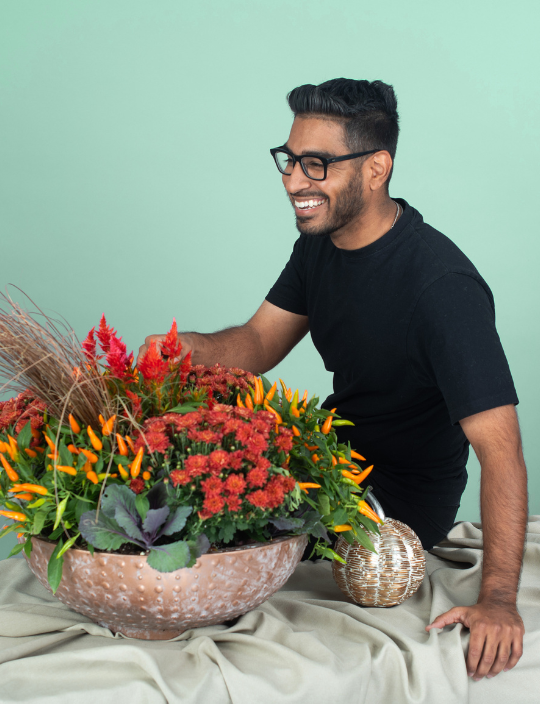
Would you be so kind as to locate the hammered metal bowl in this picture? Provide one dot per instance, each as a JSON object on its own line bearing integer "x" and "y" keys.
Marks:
{"x": 388, "y": 577}
{"x": 126, "y": 595}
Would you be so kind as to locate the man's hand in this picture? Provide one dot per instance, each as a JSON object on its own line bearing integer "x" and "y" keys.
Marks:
{"x": 496, "y": 641}
{"x": 184, "y": 339}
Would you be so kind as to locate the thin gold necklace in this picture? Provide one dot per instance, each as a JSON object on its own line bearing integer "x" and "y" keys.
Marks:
{"x": 398, "y": 206}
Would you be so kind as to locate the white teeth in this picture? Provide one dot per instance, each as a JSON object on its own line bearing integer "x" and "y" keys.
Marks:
{"x": 308, "y": 204}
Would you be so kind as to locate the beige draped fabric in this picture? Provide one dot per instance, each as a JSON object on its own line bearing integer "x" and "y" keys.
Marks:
{"x": 306, "y": 644}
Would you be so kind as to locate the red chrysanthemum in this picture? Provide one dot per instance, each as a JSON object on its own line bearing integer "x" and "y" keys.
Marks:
{"x": 257, "y": 443}
{"x": 236, "y": 459}
{"x": 137, "y": 485}
{"x": 234, "y": 503}
{"x": 153, "y": 440}
{"x": 212, "y": 485}
{"x": 285, "y": 439}
{"x": 219, "y": 460}
{"x": 257, "y": 476}
{"x": 208, "y": 436}
{"x": 196, "y": 465}
{"x": 235, "y": 484}
{"x": 179, "y": 477}
{"x": 188, "y": 420}
{"x": 258, "y": 498}
{"x": 213, "y": 503}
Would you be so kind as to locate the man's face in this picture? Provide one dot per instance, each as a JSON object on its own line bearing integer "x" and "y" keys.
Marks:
{"x": 323, "y": 207}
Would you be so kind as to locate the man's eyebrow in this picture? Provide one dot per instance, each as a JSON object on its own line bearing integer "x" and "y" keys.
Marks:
{"x": 311, "y": 152}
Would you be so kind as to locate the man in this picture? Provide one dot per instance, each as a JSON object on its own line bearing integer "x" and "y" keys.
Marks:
{"x": 407, "y": 325}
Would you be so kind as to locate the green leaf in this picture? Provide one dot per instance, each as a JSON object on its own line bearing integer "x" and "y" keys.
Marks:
{"x": 187, "y": 408}
{"x": 66, "y": 458}
{"x": 24, "y": 438}
{"x": 339, "y": 516}
{"x": 16, "y": 549}
{"x": 142, "y": 505}
{"x": 328, "y": 552}
{"x": 27, "y": 547}
{"x": 177, "y": 520}
{"x": 56, "y": 533}
{"x": 362, "y": 538}
{"x": 60, "y": 512}
{"x": 167, "y": 558}
{"x": 39, "y": 521}
{"x": 55, "y": 566}
{"x": 226, "y": 531}
{"x": 324, "y": 503}
{"x": 104, "y": 534}
{"x": 67, "y": 545}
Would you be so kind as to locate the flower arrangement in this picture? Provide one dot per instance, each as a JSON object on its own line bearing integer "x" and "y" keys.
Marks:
{"x": 168, "y": 459}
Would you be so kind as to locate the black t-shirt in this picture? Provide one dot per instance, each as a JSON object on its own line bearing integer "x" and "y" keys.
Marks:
{"x": 407, "y": 326}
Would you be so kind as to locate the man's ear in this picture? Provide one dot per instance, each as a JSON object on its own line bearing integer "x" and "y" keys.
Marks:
{"x": 379, "y": 169}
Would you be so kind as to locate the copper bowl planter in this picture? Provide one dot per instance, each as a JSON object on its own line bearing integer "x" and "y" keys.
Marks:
{"x": 388, "y": 577}
{"x": 124, "y": 594}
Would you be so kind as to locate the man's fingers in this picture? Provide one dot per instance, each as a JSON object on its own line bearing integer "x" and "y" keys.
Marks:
{"x": 503, "y": 653}
{"x": 489, "y": 655}
{"x": 517, "y": 652}
{"x": 455, "y": 615}
{"x": 476, "y": 647}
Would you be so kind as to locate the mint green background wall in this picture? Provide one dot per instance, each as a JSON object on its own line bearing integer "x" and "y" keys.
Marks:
{"x": 135, "y": 176}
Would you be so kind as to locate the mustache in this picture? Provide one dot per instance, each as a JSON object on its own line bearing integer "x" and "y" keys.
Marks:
{"x": 309, "y": 194}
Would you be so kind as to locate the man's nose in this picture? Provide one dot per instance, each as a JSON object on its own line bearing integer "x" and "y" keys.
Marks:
{"x": 297, "y": 181}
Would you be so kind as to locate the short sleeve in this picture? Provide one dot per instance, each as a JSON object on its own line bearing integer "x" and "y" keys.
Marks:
{"x": 288, "y": 292}
{"x": 453, "y": 344}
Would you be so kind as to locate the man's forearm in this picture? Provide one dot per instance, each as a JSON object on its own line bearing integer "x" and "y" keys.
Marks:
{"x": 503, "y": 499}
{"x": 232, "y": 347}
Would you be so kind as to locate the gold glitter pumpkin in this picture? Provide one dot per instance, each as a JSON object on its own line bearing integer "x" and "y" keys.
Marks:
{"x": 388, "y": 577}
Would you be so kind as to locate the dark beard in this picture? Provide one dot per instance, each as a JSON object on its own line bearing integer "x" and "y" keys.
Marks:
{"x": 348, "y": 205}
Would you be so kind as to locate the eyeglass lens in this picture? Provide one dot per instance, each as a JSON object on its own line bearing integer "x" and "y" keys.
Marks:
{"x": 312, "y": 165}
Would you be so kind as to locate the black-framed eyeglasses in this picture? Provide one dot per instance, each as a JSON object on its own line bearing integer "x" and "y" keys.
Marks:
{"x": 315, "y": 167}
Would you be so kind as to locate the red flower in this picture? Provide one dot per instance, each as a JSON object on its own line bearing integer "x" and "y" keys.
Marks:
{"x": 257, "y": 476}
{"x": 212, "y": 485}
{"x": 232, "y": 425}
{"x": 179, "y": 477}
{"x": 213, "y": 503}
{"x": 208, "y": 436}
{"x": 171, "y": 346}
{"x": 234, "y": 502}
{"x": 243, "y": 413}
{"x": 204, "y": 514}
{"x": 89, "y": 345}
{"x": 235, "y": 484}
{"x": 154, "y": 440}
{"x": 244, "y": 433}
{"x": 104, "y": 334}
{"x": 152, "y": 366}
{"x": 235, "y": 459}
{"x": 188, "y": 420}
{"x": 285, "y": 439}
{"x": 196, "y": 465}
{"x": 135, "y": 403}
{"x": 137, "y": 485}
{"x": 118, "y": 362}
{"x": 219, "y": 459}
{"x": 257, "y": 443}
{"x": 258, "y": 498}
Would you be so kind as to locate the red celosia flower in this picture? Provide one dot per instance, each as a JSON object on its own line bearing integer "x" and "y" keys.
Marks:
{"x": 152, "y": 365}
{"x": 179, "y": 477}
{"x": 257, "y": 476}
{"x": 213, "y": 503}
{"x": 135, "y": 402}
{"x": 219, "y": 459}
{"x": 196, "y": 465}
{"x": 104, "y": 334}
{"x": 234, "y": 502}
{"x": 118, "y": 362}
{"x": 137, "y": 485}
{"x": 171, "y": 346}
{"x": 89, "y": 345}
{"x": 212, "y": 485}
{"x": 235, "y": 484}
{"x": 258, "y": 498}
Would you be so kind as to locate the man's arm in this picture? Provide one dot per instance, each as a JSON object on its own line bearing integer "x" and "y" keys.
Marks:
{"x": 257, "y": 346}
{"x": 496, "y": 640}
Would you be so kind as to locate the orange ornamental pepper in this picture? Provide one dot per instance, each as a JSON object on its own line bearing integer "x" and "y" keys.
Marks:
{"x": 96, "y": 442}
{"x": 41, "y": 450}
{"x": 87, "y": 466}
{"x": 92, "y": 476}
{"x": 53, "y": 455}
{"x": 343, "y": 527}
{"x": 20, "y": 535}
{"x": 122, "y": 447}
{"x": 75, "y": 427}
{"x": 30, "y": 452}
{"x": 239, "y": 402}
{"x": 101, "y": 419}
{"x": 35, "y": 488}
{"x": 3, "y": 446}
{"x": 363, "y": 475}
{"x": 136, "y": 464}
{"x": 366, "y": 510}
{"x": 14, "y": 515}
{"x": 356, "y": 456}
{"x": 130, "y": 443}
{"x": 67, "y": 470}
{"x": 315, "y": 458}
{"x": 270, "y": 394}
{"x": 349, "y": 475}
{"x": 108, "y": 426}
{"x": 296, "y": 432}
{"x": 311, "y": 447}
{"x": 294, "y": 411}
{"x": 13, "y": 443}
{"x": 89, "y": 456}
{"x": 12, "y": 474}
{"x": 123, "y": 473}
{"x": 258, "y": 397}
{"x": 24, "y": 497}
{"x": 327, "y": 425}
{"x": 146, "y": 476}
{"x": 35, "y": 433}
{"x": 308, "y": 485}
{"x": 71, "y": 447}
{"x": 279, "y": 419}
{"x": 249, "y": 402}
{"x": 334, "y": 461}
{"x": 49, "y": 442}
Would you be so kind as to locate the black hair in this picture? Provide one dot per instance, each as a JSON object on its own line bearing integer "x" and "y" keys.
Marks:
{"x": 368, "y": 110}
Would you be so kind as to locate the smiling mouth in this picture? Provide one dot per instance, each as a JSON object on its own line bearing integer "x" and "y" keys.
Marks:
{"x": 309, "y": 204}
